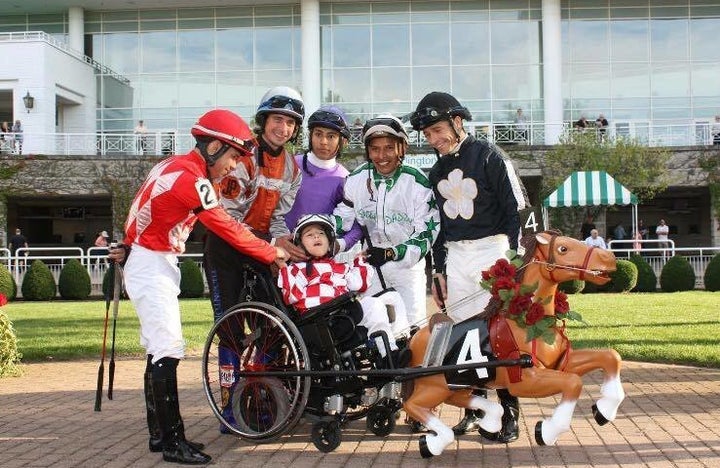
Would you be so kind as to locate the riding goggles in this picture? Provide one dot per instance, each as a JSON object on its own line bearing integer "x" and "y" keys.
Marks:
{"x": 331, "y": 120}
{"x": 380, "y": 126}
{"x": 285, "y": 103}
{"x": 423, "y": 118}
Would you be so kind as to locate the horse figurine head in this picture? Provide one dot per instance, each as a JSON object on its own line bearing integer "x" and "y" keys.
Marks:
{"x": 498, "y": 334}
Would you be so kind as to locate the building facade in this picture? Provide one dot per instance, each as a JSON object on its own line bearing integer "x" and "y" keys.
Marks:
{"x": 650, "y": 67}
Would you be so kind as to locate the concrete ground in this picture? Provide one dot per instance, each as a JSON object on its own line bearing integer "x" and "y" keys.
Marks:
{"x": 670, "y": 418}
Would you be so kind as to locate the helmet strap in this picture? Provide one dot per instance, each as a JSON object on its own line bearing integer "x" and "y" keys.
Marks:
{"x": 211, "y": 159}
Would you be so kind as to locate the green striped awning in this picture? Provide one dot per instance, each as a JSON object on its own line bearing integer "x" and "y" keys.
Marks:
{"x": 590, "y": 188}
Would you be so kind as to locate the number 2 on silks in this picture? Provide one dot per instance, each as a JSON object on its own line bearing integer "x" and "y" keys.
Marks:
{"x": 470, "y": 353}
{"x": 531, "y": 221}
{"x": 206, "y": 192}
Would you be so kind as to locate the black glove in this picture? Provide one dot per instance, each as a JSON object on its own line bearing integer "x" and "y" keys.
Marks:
{"x": 377, "y": 256}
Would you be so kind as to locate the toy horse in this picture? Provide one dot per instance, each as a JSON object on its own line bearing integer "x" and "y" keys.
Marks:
{"x": 557, "y": 368}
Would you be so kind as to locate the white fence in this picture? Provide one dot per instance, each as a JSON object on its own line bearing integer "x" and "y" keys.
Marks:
{"x": 94, "y": 260}
{"x": 171, "y": 141}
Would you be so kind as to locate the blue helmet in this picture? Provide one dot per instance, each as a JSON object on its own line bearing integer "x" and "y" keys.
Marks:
{"x": 331, "y": 117}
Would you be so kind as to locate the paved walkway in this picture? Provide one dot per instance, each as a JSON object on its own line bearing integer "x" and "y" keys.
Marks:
{"x": 671, "y": 418}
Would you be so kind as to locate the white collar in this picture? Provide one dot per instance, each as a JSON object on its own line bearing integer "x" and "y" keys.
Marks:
{"x": 321, "y": 163}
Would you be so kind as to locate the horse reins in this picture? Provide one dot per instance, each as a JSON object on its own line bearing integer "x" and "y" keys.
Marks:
{"x": 550, "y": 264}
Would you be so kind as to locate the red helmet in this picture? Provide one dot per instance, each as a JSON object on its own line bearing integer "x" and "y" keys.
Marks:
{"x": 228, "y": 127}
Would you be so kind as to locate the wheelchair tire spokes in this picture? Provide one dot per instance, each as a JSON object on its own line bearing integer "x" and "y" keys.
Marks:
{"x": 262, "y": 338}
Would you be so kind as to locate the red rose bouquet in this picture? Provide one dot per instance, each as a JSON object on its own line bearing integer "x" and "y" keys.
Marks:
{"x": 516, "y": 300}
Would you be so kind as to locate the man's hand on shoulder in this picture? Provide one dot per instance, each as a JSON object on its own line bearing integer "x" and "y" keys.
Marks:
{"x": 296, "y": 254}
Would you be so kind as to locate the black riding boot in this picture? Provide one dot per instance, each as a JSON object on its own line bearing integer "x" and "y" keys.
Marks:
{"x": 510, "y": 430}
{"x": 155, "y": 441}
{"x": 471, "y": 420}
{"x": 167, "y": 412}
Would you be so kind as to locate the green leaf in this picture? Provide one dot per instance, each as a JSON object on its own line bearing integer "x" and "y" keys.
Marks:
{"x": 505, "y": 295}
{"x": 528, "y": 288}
{"x": 549, "y": 336}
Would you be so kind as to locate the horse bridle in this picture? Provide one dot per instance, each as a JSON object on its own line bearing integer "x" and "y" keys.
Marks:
{"x": 550, "y": 263}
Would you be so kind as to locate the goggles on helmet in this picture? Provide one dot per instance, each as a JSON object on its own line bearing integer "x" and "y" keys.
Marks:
{"x": 283, "y": 103}
{"x": 384, "y": 126}
{"x": 423, "y": 118}
{"x": 245, "y": 147}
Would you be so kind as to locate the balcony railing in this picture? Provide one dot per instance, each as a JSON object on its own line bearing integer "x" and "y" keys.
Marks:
{"x": 165, "y": 142}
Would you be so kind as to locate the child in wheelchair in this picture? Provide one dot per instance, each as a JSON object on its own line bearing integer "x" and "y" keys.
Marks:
{"x": 321, "y": 279}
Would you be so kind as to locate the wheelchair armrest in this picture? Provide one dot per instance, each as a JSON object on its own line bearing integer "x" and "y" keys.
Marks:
{"x": 326, "y": 308}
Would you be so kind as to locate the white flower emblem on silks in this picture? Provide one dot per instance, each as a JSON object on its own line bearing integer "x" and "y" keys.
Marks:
{"x": 459, "y": 194}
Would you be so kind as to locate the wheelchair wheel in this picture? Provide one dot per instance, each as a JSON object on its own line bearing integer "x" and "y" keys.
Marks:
{"x": 326, "y": 436}
{"x": 253, "y": 336}
{"x": 381, "y": 420}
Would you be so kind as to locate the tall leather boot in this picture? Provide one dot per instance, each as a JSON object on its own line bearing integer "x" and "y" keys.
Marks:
{"x": 471, "y": 420}
{"x": 155, "y": 441}
{"x": 167, "y": 412}
{"x": 510, "y": 430}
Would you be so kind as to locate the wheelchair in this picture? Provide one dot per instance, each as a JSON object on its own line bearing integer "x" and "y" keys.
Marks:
{"x": 308, "y": 364}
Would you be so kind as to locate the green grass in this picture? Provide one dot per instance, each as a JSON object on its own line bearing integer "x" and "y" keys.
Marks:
{"x": 63, "y": 330}
{"x": 681, "y": 328}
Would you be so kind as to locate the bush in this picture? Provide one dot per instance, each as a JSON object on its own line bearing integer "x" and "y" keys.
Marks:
{"x": 9, "y": 356}
{"x": 38, "y": 284}
{"x": 624, "y": 278}
{"x": 677, "y": 275}
{"x": 572, "y": 286}
{"x": 109, "y": 282}
{"x": 191, "y": 279}
{"x": 74, "y": 281}
{"x": 646, "y": 280}
{"x": 7, "y": 283}
{"x": 712, "y": 274}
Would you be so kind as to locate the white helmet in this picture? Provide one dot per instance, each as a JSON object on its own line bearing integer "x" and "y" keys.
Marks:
{"x": 282, "y": 100}
{"x": 323, "y": 221}
{"x": 384, "y": 125}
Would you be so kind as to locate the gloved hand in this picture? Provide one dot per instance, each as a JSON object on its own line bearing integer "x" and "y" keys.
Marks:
{"x": 377, "y": 256}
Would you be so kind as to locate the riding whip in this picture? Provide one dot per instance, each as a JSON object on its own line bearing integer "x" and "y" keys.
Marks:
{"x": 117, "y": 287}
{"x": 101, "y": 369}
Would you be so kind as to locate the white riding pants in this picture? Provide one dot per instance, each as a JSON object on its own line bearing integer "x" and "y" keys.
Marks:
{"x": 152, "y": 281}
{"x": 466, "y": 261}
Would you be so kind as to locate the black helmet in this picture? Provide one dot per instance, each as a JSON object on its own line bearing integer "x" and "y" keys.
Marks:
{"x": 323, "y": 221}
{"x": 331, "y": 117}
{"x": 437, "y": 106}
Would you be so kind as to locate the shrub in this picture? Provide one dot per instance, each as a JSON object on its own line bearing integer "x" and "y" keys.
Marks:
{"x": 624, "y": 278}
{"x": 646, "y": 280}
{"x": 712, "y": 274}
{"x": 677, "y": 275}
{"x": 572, "y": 286}
{"x": 109, "y": 282}
{"x": 9, "y": 355}
{"x": 74, "y": 281}
{"x": 7, "y": 283}
{"x": 191, "y": 279}
{"x": 38, "y": 284}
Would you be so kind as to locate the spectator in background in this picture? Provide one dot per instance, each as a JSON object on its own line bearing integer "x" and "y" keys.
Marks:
{"x": 594, "y": 240}
{"x": 521, "y": 126}
{"x": 18, "y": 135}
{"x": 141, "y": 133}
{"x": 601, "y": 124}
{"x": 16, "y": 242}
{"x": 715, "y": 130}
{"x": 662, "y": 231}
{"x": 586, "y": 227}
{"x": 619, "y": 232}
{"x": 101, "y": 241}
{"x": 581, "y": 124}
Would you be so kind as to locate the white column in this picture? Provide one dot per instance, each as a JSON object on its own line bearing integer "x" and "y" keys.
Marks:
{"x": 76, "y": 28}
{"x": 552, "y": 70}
{"x": 310, "y": 36}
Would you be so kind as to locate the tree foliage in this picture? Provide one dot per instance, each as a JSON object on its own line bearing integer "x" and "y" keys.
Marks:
{"x": 640, "y": 168}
